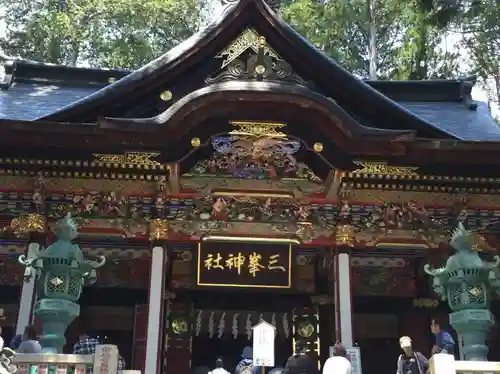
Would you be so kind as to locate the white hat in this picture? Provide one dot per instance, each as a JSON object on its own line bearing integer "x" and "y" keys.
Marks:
{"x": 405, "y": 342}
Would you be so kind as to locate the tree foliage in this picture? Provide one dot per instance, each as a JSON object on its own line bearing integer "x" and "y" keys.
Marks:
{"x": 403, "y": 37}
{"x": 111, "y": 33}
{"x": 481, "y": 37}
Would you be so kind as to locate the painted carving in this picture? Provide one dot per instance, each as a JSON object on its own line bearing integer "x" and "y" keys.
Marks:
{"x": 249, "y": 157}
{"x": 100, "y": 204}
{"x": 39, "y": 193}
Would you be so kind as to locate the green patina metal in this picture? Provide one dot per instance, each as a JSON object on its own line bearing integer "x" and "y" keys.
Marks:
{"x": 467, "y": 282}
{"x": 60, "y": 271}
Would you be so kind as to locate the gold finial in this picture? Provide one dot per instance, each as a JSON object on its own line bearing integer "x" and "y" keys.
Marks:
{"x": 195, "y": 142}
{"x": 262, "y": 41}
{"x": 258, "y": 129}
{"x": 318, "y": 147}
{"x": 166, "y": 95}
{"x": 158, "y": 229}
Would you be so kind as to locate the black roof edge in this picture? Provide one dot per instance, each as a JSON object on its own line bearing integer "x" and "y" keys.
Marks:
{"x": 27, "y": 71}
{"x": 433, "y": 90}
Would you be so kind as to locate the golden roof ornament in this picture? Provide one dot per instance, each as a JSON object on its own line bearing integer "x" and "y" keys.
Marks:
{"x": 258, "y": 129}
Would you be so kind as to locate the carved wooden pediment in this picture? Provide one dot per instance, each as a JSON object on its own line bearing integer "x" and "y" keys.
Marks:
{"x": 256, "y": 157}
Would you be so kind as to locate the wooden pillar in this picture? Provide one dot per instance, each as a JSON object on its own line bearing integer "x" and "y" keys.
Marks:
{"x": 158, "y": 232}
{"x": 35, "y": 226}
{"x": 345, "y": 297}
{"x": 344, "y": 239}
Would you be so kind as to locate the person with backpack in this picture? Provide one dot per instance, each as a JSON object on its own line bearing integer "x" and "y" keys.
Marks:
{"x": 411, "y": 362}
{"x": 301, "y": 362}
{"x": 444, "y": 340}
{"x": 246, "y": 366}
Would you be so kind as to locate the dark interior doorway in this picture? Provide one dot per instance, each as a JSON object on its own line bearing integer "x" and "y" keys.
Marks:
{"x": 379, "y": 355}
{"x": 247, "y": 307}
{"x": 206, "y": 350}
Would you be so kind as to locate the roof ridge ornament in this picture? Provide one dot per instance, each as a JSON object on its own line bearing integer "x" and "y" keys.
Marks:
{"x": 273, "y": 4}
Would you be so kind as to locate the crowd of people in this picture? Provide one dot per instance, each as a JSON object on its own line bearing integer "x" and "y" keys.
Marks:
{"x": 409, "y": 362}
{"x": 28, "y": 343}
{"x": 301, "y": 362}
{"x": 413, "y": 362}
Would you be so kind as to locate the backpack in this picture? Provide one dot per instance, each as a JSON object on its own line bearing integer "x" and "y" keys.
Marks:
{"x": 245, "y": 367}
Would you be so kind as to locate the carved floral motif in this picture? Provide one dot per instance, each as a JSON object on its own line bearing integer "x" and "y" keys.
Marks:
{"x": 250, "y": 157}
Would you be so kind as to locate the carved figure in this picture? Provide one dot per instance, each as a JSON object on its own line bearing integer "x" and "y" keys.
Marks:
{"x": 219, "y": 209}
{"x": 161, "y": 186}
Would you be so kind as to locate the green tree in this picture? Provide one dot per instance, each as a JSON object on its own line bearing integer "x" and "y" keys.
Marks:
{"x": 481, "y": 37}
{"x": 384, "y": 39}
{"x": 105, "y": 33}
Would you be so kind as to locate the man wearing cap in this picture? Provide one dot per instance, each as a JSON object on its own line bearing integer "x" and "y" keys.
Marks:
{"x": 339, "y": 363}
{"x": 411, "y": 362}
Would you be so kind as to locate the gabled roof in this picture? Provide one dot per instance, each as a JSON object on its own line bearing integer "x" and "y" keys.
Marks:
{"x": 435, "y": 109}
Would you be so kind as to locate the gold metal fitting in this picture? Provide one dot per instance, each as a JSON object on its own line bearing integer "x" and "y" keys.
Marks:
{"x": 345, "y": 235}
{"x": 318, "y": 147}
{"x": 166, "y": 95}
{"x": 158, "y": 229}
{"x": 195, "y": 142}
{"x": 25, "y": 224}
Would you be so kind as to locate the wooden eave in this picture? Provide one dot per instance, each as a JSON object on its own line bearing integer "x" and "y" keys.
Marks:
{"x": 303, "y": 57}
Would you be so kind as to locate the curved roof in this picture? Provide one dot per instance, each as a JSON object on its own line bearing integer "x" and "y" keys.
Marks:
{"x": 338, "y": 82}
{"x": 431, "y": 109}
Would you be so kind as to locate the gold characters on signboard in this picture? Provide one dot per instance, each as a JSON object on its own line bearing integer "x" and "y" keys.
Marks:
{"x": 253, "y": 263}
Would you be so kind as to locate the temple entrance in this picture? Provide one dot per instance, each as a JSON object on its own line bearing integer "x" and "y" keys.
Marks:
{"x": 225, "y": 333}
{"x": 223, "y": 321}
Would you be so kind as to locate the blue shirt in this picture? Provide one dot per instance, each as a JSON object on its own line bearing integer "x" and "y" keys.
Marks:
{"x": 445, "y": 342}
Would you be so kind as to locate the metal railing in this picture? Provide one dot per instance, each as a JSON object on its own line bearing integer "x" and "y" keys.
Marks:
{"x": 442, "y": 363}
{"x": 104, "y": 361}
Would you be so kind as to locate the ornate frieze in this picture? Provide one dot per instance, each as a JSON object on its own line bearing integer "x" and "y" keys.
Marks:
{"x": 371, "y": 169}
{"x": 140, "y": 159}
{"x": 191, "y": 217}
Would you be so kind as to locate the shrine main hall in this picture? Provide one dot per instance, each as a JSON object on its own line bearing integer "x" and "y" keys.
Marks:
{"x": 244, "y": 175}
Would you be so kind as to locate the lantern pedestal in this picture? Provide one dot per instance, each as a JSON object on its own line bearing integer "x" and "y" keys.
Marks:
{"x": 473, "y": 326}
{"x": 56, "y": 315}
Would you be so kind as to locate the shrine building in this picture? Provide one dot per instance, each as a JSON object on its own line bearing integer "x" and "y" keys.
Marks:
{"x": 244, "y": 175}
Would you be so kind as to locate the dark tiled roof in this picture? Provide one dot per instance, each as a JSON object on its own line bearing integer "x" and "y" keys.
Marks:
{"x": 457, "y": 119}
{"x": 25, "y": 101}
